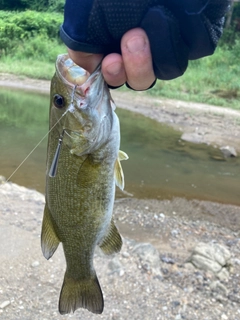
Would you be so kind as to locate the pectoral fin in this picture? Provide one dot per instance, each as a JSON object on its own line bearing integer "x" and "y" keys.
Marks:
{"x": 122, "y": 155}
{"x": 118, "y": 172}
{"x": 112, "y": 242}
{"x": 49, "y": 239}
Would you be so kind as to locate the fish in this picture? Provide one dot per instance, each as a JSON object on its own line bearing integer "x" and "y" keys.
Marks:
{"x": 83, "y": 168}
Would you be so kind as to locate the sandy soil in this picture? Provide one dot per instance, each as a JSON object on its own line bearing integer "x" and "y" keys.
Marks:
{"x": 144, "y": 281}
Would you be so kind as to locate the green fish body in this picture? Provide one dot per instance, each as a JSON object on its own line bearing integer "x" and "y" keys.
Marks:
{"x": 80, "y": 197}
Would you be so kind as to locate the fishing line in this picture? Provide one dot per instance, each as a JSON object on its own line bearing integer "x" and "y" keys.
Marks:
{"x": 35, "y": 147}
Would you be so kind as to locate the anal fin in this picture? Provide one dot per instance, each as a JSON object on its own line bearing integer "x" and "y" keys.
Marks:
{"x": 112, "y": 242}
{"x": 49, "y": 239}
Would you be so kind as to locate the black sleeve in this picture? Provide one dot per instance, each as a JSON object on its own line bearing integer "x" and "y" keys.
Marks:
{"x": 178, "y": 30}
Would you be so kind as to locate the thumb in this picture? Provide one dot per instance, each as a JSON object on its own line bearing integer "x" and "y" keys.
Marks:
{"x": 87, "y": 61}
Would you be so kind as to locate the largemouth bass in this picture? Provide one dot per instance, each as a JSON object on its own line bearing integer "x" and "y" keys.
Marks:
{"x": 83, "y": 166}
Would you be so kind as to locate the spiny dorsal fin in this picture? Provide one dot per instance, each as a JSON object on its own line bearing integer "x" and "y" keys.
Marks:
{"x": 49, "y": 239}
{"x": 112, "y": 242}
{"x": 118, "y": 172}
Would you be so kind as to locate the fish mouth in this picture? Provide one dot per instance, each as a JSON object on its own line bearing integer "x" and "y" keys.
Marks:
{"x": 69, "y": 72}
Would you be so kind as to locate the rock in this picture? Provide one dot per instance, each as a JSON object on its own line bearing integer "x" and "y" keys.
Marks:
{"x": 211, "y": 257}
{"x": 35, "y": 264}
{"x": 4, "y": 304}
{"x": 193, "y": 137}
{"x": 149, "y": 256}
{"x": 168, "y": 260}
{"x": 219, "y": 288}
{"x": 223, "y": 274}
{"x": 115, "y": 266}
{"x": 228, "y": 151}
{"x": 125, "y": 254}
{"x": 175, "y": 232}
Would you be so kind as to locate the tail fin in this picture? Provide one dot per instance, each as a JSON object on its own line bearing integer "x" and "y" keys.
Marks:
{"x": 81, "y": 294}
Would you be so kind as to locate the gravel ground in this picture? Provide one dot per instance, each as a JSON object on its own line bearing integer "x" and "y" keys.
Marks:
{"x": 149, "y": 279}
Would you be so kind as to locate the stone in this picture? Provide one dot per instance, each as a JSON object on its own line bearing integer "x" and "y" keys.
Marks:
{"x": 228, "y": 151}
{"x": 211, "y": 257}
{"x": 218, "y": 287}
{"x": 148, "y": 255}
{"x": 4, "y": 304}
{"x": 206, "y": 264}
{"x": 223, "y": 274}
{"x": 193, "y": 137}
{"x": 167, "y": 259}
{"x": 115, "y": 265}
{"x": 35, "y": 264}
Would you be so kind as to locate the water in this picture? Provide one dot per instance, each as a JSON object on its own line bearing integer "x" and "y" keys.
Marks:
{"x": 160, "y": 165}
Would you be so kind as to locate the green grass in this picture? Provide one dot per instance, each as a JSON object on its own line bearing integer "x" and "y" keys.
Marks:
{"x": 27, "y": 67}
{"x": 34, "y": 58}
{"x": 212, "y": 80}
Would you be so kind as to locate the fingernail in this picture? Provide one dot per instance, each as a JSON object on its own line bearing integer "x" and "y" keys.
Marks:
{"x": 114, "y": 68}
{"x": 136, "y": 44}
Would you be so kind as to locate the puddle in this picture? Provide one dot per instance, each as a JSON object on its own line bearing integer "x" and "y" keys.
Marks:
{"x": 160, "y": 164}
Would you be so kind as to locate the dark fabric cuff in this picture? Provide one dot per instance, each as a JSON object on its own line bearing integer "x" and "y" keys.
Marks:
{"x": 151, "y": 86}
{"x": 81, "y": 46}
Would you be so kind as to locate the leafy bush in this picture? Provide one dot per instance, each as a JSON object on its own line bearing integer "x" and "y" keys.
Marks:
{"x": 33, "y": 22}
{"x": 40, "y": 47}
{"x": 16, "y": 29}
{"x": 38, "y": 5}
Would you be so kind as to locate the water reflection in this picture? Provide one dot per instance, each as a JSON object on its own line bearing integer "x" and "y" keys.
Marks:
{"x": 160, "y": 165}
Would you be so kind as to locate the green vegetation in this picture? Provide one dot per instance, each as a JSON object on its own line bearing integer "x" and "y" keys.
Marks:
{"x": 29, "y": 44}
{"x": 212, "y": 80}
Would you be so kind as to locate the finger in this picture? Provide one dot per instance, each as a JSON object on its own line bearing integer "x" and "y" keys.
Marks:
{"x": 87, "y": 61}
{"x": 113, "y": 70}
{"x": 137, "y": 59}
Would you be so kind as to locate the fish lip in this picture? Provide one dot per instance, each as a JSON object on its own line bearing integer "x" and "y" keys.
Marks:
{"x": 92, "y": 77}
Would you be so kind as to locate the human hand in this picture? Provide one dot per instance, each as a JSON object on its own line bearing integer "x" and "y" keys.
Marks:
{"x": 175, "y": 30}
{"x": 133, "y": 65}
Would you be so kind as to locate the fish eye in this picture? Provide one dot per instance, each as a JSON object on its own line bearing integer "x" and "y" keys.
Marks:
{"x": 58, "y": 101}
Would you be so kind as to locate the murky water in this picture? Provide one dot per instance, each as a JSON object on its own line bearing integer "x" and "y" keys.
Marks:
{"x": 160, "y": 165}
